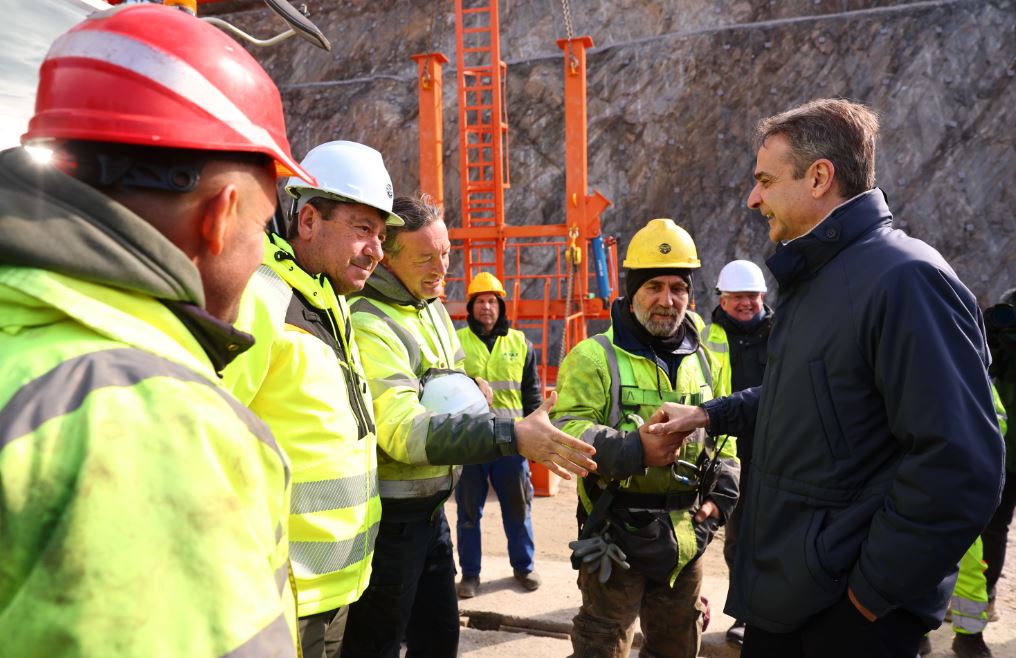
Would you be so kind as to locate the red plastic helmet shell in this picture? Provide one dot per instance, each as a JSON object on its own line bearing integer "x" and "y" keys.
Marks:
{"x": 152, "y": 75}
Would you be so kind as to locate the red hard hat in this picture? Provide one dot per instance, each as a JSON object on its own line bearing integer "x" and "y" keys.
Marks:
{"x": 152, "y": 75}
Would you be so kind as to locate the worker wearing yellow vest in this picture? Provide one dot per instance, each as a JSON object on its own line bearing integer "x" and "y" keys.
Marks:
{"x": 304, "y": 378}
{"x": 653, "y": 506}
{"x": 504, "y": 358}
{"x": 408, "y": 345}
{"x": 739, "y": 337}
{"x": 143, "y": 507}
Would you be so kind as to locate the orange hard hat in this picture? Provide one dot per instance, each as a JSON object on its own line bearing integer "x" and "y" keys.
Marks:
{"x": 151, "y": 75}
{"x": 485, "y": 282}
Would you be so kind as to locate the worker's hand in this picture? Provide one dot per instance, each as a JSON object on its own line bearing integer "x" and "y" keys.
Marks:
{"x": 708, "y": 509}
{"x": 537, "y": 439}
{"x": 867, "y": 614}
{"x": 659, "y": 449}
{"x": 679, "y": 419}
{"x": 485, "y": 388}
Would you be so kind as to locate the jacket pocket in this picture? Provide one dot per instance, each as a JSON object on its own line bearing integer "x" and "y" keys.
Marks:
{"x": 827, "y": 410}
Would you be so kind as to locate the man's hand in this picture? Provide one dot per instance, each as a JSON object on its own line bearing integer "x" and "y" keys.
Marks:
{"x": 485, "y": 388}
{"x": 678, "y": 419}
{"x": 537, "y": 439}
{"x": 708, "y": 509}
{"x": 659, "y": 449}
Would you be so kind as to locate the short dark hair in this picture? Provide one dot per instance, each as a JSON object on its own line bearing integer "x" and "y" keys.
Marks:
{"x": 838, "y": 130}
{"x": 324, "y": 205}
{"x": 417, "y": 212}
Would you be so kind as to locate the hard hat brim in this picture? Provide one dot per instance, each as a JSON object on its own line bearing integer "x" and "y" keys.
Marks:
{"x": 299, "y": 191}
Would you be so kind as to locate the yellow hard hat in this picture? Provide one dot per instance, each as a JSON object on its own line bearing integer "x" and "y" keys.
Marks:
{"x": 661, "y": 243}
{"x": 485, "y": 282}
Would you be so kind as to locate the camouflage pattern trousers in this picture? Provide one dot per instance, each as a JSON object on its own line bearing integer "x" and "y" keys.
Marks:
{"x": 670, "y": 618}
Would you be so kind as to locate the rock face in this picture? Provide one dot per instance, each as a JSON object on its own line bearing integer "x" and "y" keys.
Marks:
{"x": 675, "y": 89}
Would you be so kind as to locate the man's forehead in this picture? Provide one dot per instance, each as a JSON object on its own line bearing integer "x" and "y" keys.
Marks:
{"x": 668, "y": 280}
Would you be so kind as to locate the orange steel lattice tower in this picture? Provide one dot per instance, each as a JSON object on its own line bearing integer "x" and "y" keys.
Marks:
{"x": 569, "y": 292}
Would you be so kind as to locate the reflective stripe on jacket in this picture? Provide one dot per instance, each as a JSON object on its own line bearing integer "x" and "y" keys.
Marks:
{"x": 594, "y": 381}
{"x": 304, "y": 378}
{"x": 502, "y": 368}
{"x": 714, "y": 339}
{"x": 131, "y": 482}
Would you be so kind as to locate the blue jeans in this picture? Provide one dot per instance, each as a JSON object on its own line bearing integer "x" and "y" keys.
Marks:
{"x": 510, "y": 477}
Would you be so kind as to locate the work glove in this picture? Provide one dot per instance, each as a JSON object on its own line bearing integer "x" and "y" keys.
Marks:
{"x": 599, "y": 554}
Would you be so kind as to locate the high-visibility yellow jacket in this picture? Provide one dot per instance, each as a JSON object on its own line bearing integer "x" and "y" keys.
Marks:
{"x": 141, "y": 505}
{"x": 502, "y": 367}
{"x": 400, "y": 339}
{"x": 304, "y": 378}
{"x": 605, "y": 390}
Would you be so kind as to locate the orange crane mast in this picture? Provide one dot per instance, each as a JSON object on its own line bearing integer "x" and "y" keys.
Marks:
{"x": 572, "y": 293}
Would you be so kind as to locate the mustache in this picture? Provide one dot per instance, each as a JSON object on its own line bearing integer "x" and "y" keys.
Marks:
{"x": 663, "y": 310}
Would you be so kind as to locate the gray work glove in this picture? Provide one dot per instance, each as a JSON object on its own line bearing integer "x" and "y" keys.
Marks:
{"x": 599, "y": 554}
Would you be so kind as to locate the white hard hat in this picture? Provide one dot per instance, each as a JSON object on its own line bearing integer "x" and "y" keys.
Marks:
{"x": 452, "y": 392}
{"x": 741, "y": 276}
{"x": 347, "y": 171}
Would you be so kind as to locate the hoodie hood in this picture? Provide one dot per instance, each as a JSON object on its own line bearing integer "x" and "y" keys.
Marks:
{"x": 386, "y": 287}
{"x": 99, "y": 240}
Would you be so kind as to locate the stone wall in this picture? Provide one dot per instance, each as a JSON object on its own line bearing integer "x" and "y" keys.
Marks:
{"x": 675, "y": 89}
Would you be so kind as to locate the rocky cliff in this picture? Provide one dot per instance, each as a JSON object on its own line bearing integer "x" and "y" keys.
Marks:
{"x": 675, "y": 89}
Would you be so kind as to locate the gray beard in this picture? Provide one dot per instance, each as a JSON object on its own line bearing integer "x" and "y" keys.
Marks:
{"x": 662, "y": 328}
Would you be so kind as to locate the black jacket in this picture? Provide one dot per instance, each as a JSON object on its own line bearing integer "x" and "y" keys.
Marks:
{"x": 877, "y": 452}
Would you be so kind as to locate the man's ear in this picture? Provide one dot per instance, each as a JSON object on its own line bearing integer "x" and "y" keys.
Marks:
{"x": 219, "y": 210}
{"x": 821, "y": 177}
{"x": 306, "y": 221}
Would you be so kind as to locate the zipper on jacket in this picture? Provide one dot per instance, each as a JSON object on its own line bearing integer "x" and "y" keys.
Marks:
{"x": 355, "y": 385}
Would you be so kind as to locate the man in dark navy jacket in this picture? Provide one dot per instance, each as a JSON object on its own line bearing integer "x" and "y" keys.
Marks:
{"x": 877, "y": 457}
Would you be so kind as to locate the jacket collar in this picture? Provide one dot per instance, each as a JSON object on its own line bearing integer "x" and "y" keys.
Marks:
{"x": 845, "y": 224}
{"x": 100, "y": 240}
{"x": 384, "y": 286}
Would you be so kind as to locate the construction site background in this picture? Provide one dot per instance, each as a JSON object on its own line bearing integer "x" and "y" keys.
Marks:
{"x": 675, "y": 89}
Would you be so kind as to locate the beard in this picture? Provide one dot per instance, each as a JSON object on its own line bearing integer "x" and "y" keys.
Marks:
{"x": 659, "y": 321}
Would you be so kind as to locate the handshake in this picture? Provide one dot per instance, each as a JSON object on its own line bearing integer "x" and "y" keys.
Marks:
{"x": 668, "y": 429}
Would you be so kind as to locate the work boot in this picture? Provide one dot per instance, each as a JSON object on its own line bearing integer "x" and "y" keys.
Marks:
{"x": 925, "y": 648}
{"x": 735, "y": 633}
{"x": 467, "y": 587}
{"x": 970, "y": 646}
{"x": 529, "y": 579}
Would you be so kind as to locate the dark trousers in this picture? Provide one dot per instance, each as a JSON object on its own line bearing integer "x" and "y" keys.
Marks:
{"x": 996, "y": 534}
{"x": 510, "y": 479}
{"x": 840, "y": 632}
{"x": 321, "y": 634}
{"x": 411, "y": 594}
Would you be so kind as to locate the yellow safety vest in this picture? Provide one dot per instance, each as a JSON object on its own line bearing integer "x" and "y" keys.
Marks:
{"x": 502, "y": 367}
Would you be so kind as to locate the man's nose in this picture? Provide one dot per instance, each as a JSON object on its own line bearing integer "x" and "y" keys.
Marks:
{"x": 754, "y": 197}
{"x": 374, "y": 248}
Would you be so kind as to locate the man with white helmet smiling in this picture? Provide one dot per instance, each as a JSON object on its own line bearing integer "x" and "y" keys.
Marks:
{"x": 739, "y": 335}
{"x": 305, "y": 379}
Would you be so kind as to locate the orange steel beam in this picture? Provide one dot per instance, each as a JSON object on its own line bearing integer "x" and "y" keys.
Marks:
{"x": 431, "y": 128}
{"x": 582, "y": 209}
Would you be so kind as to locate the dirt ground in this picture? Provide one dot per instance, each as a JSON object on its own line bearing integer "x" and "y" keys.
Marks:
{"x": 554, "y": 526}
